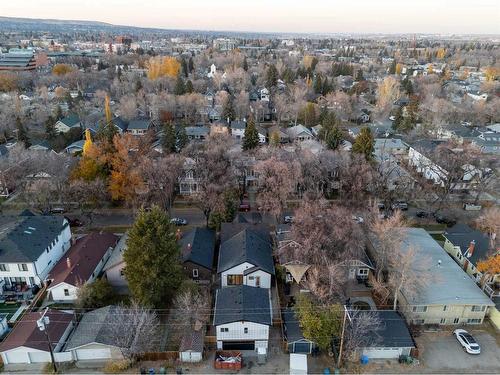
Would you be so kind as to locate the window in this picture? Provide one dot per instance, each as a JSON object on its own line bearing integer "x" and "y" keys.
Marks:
{"x": 4, "y": 267}
{"x": 122, "y": 273}
{"x": 195, "y": 272}
{"x": 224, "y": 329}
{"x": 445, "y": 307}
{"x": 418, "y": 321}
{"x": 477, "y": 308}
{"x": 251, "y": 277}
{"x": 234, "y": 279}
{"x": 442, "y": 321}
{"x": 245, "y": 330}
{"x": 363, "y": 271}
{"x": 22, "y": 267}
{"x": 474, "y": 321}
{"x": 456, "y": 320}
{"x": 66, "y": 292}
{"x": 419, "y": 308}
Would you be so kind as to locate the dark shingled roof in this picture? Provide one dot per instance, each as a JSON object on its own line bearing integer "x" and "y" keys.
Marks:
{"x": 292, "y": 326}
{"x": 139, "y": 124}
{"x": 228, "y": 230}
{"x": 242, "y": 303}
{"x": 27, "y": 237}
{"x": 393, "y": 332}
{"x": 246, "y": 246}
{"x": 462, "y": 235}
{"x": 202, "y": 242}
{"x": 70, "y": 120}
{"x": 26, "y": 332}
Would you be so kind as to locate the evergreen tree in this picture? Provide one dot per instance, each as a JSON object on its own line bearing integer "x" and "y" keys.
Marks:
{"x": 318, "y": 85}
{"x": 272, "y": 76}
{"x": 22, "y": 133}
{"x": 189, "y": 87}
{"x": 245, "y": 64}
{"x": 50, "y": 129}
{"x": 359, "y": 75}
{"x": 182, "y": 138}
{"x": 364, "y": 143}
{"x": 191, "y": 65}
{"x": 334, "y": 138}
{"x": 251, "y": 137}
{"x": 398, "y": 118}
{"x": 169, "y": 139}
{"x": 228, "y": 109}
{"x": 392, "y": 68}
{"x": 179, "y": 89}
{"x": 185, "y": 68}
{"x": 330, "y": 133}
{"x": 59, "y": 114}
{"x": 153, "y": 272}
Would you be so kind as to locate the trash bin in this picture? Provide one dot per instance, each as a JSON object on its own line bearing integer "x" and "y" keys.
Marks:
{"x": 364, "y": 359}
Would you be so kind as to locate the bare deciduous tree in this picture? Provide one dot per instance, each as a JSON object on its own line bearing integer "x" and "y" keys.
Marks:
{"x": 361, "y": 331}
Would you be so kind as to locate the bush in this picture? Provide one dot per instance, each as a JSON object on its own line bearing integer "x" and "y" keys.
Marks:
{"x": 48, "y": 368}
{"x": 97, "y": 294}
{"x": 117, "y": 367}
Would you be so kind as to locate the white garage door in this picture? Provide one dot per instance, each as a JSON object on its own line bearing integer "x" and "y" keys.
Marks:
{"x": 17, "y": 357}
{"x": 89, "y": 354}
{"x": 39, "y": 357}
{"x": 382, "y": 353}
{"x": 190, "y": 356}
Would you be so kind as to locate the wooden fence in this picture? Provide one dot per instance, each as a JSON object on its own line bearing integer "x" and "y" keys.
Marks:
{"x": 159, "y": 356}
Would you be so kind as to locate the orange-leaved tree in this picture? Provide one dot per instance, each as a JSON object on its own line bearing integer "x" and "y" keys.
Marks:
{"x": 163, "y": 67}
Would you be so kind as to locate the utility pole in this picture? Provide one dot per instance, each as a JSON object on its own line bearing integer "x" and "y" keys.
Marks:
{"x": 42, "y": 324}
{"x": 342, "y": 337}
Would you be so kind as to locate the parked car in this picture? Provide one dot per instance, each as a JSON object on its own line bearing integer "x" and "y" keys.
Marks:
{"x": 472, "y": 207}
{"x": 422, "y": 214}
{"x": 288, "y": 219}
{"x": 245, "y": 207}
{"x": 400, "y": 205}
{"x": 358, "y": 219}
{"x": 444, "y": 220}
{"x": 178, "y": 221}
{"x": 57, "y": 210}
{"x": 74, "y": 222}
{"x": 468, "y": 342}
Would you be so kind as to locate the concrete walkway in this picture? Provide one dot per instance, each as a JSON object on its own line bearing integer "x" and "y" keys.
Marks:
{"x": 368, "y": 300}
{"x": 19, "y": 311}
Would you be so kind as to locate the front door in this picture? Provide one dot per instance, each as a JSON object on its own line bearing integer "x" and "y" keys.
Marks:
{"x": 257, "y": 281}
{"x": 352, "y": 273}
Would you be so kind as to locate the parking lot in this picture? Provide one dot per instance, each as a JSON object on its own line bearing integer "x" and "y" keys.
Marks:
{"x": 441, "y": 352}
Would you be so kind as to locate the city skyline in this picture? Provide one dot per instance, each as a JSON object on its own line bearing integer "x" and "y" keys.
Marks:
{"x": 320, "y": 16}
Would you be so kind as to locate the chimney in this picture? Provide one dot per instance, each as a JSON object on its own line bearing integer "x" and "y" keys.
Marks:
{"x": 68, "y": 262}
{"x": 470, "y": 249}
{"x": 178, "y": 234}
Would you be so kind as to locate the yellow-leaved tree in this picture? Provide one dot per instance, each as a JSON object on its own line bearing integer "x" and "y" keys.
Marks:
{"x": 62, "y": 69}
{"x": 163, "y": 67}
{"x": 107, "y": 110}
{"x": 492, "y": 73}
{"x": 489, "y": 267}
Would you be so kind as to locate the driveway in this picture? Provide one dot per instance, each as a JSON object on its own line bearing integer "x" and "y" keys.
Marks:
{"x": 441, "y": 352}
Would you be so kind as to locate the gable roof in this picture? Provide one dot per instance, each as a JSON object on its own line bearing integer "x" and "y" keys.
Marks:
{"x": 139, "y": 124}
{"x": 292, "y": 326}
{"x": 94, "y": 327}
{"x": 297, "y": 130}
{"x": 450, "y": 284}
{"x": 24, "y": 239}
{"x": 71, "y": 120}
{"x": 83, "y": 258}
{"x": 117, "y": 253}
{"x": 461, "y": 235}
{"x": 228, "y": 230}
{"x": 246, "y": 246}
{"x": 242, "y": 303}
{"x": 393, "y": 331}
{"x": 26, "y": 332}
{"x": 201, "y": 252}
{"x": 192, "y": 340}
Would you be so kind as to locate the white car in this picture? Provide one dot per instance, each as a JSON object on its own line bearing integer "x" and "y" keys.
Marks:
{"x": 467, "y": 341}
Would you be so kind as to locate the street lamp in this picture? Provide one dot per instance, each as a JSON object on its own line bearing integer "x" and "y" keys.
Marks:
{"x": 42, "y": 324}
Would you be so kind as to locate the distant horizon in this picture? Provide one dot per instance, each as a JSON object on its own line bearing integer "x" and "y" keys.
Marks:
{"x": 384, "y": 17}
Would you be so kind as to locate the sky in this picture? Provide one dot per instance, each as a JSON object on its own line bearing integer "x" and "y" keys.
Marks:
{"x": 301, "y": 16}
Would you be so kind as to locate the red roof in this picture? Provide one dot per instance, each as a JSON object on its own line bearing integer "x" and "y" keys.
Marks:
{"x": 26, "y": 332}
{"x": 81, "y": 260}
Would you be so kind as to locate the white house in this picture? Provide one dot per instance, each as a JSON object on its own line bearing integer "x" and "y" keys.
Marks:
{"x": 419, "y": 158}
{"x": 242, "y": 318}
{"x": 26, "y": 343}
{"x": 246, "y": 259}
{"x": 114, "y": 267}
{"x": 30, "y": 247}
{"x": 188, "y": 182}
{"x": 299, "y": 133}
{"x": 65, "y": 124}
{"x": 82, "y": 264}
{"x": 4, "y": 327}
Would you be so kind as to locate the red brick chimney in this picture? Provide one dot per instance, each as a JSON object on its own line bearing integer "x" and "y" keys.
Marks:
{"x": 470, "y": 249}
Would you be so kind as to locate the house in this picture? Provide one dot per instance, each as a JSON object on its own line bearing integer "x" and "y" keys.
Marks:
{"x": 139, "y": 126}
{"x": 30, "y": 246}
{"x": 238, "y": 129}
{"x": 81, "y": 264}
{"x": 113, "y": 270}
{"x": 40, "y": 145}
{"x": 93, "y": 338}
{"x": 296, "y": 343}
{"x": 197, "y": 133}
{"x": 246, "y": 259}
{"x": 197, "y": 249}
{"x": 387, "y": 148}
{"x": 67, "y": 123}
{"x": 242, "y": 317}
{"x": 449, "y": 297}
{"x": 188, "y": 182}
{"x": 392, "y": 338}
{"x": 192, "y": 343}
{"x": 4, "y": 327}
{"x": 468, "y": 247}
{"x": 420, "y": 157}
{"x": 299, "y": 133}
{"x": 75, "y": 147}
{"x": 26, "y": 343}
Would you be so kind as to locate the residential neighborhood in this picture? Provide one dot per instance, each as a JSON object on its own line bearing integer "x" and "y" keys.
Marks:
{"x": 269, "y": 197}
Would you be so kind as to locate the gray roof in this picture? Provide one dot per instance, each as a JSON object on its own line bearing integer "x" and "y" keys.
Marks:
{"x": 448, "y": 284}
{"x": 94, "y": 327}
{"x": 461, "y": 235}
{"x": 292, "y": 326}
{"x": 71, "y": 120}
{"x": 24, "y": 239}
{"x": 392, "y": 333}
{"x": 228, "y": 230}
{"x": 242, "y": 303}
{"x": 117, "y": 254}
{"x": 202, "y": 241}
{"x": 246, "y": 246}
{"x": 192, "y": 341}
{"x": 77, "y": 144}
{"x": 141, "y": 124}
{"x": 193, "y": 131}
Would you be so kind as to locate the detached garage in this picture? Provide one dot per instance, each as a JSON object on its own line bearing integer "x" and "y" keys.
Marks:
{"x": 27, "y": 344}
{"x": 293, "y": 333}
{"x": 391, "y": 340}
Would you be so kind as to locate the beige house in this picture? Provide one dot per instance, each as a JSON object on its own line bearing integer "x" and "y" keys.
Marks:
{"x": 449, "y": 296}
{"x": 113, "y": 269}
